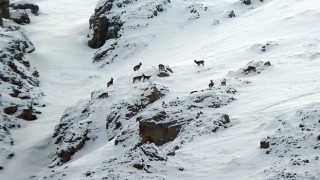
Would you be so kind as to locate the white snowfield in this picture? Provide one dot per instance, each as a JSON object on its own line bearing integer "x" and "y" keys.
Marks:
{"x": 277, "y": 103}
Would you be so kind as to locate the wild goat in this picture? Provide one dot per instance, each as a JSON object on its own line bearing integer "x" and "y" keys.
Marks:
{"x": 110, "y": 82}
{"x": 146, "y": 77}
{"x": 161, "y": 67}
{"x": 199, "y": 62}
{"x": 138, "y": 78}
{"x": 211, "y": 84}
{"x": 137, "y": 67}
{"x": 224, "y": 82}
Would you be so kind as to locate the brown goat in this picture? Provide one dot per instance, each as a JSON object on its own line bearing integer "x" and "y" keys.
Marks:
{"x": 138, "y": 78}
{"x": 161, "y": 67}
{"x": 199, "y": 62}
{"x": 110, "y": 82}
{"x": 211, "y": 84}
{"x": 137, "y": 67}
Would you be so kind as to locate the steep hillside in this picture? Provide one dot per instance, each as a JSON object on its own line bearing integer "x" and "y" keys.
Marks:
{"x": 20, "y": 95}
{"x": 249, "y": 111}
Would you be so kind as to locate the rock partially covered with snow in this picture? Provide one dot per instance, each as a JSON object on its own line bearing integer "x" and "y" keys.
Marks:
{"x": 162, "y": 125}
{"x": 77, "y": 125}
{"x": 295, "y": 145}
{"x": 25, "y": 5}
{"x": 20, "y": 10}
{"x": 252, "y": 68}
{"x": 110, "y": 15}
{"x": 124, "y": 109}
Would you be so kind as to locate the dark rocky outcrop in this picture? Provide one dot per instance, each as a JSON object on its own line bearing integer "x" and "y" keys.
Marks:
{"x": 28, "y": 115}
{"x": 127, "y": 109}
{"x": 1, "y": 22}
{"x": 104, "y": 27}
{"x": 4, "y": 9}
{"x": 267, "y": 63}
{"x": 65, "y": 155}
{"x": 11, "y": 110}
{"x": 99, "y": 55}
{"x": 264, "y": 144}
{"x": 250, "y": 69}
{"x": 246, "y": 2}
{"x": 19, "y": 13}
{"x": 70, "y": 138}
{"x": 157, "y": 132}
{"x": 180, "y": 119}
{"x": 103, "y": 95}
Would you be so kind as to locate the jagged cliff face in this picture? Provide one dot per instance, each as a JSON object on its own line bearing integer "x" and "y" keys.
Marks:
{"x": 4, "y": 9}
{"x": 20, "y": 95}
{"x": 111, "y": 15}
{"x": 113, "y": 19}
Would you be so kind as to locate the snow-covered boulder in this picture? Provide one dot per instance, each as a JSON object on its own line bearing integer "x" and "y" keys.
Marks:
{"x": 20, "y": 10}
{"x": 252, "y": 68}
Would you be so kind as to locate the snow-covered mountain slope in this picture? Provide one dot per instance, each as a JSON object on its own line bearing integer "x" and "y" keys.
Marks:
{"x": 20, "y": 95}
{"x": 263, "y": 59}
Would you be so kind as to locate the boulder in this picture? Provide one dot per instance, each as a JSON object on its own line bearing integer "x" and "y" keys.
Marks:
{"x": 246, "y": 2}
{"x": 11, "y": 110}
{"x": 21, "y": 17}
{"x": 264, "y": 144}
{"x": 66, "y": 154}
{"x": 163, "y": 74}
{"x": 267, "y": 63}
{"x": 250, "y": 69}
{"x": 27, "y": 115}
{"x": 103, "y": 95}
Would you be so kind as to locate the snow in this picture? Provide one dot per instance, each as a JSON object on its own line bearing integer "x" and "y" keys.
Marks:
{"x": 176, "y": 37}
